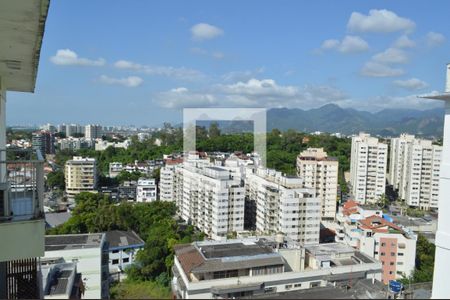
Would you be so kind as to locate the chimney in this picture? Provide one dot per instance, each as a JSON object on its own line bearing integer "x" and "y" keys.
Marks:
{"x": 447, "y": 83}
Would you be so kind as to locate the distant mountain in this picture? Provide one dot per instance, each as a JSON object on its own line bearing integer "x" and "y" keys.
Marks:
{"x": 332, "y": 118}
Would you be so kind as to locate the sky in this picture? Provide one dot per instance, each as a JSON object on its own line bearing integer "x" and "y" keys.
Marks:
{"x": 141, "y": 62}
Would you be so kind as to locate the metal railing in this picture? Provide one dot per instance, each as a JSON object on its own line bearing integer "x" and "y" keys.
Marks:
{"x": 21, "y": 184}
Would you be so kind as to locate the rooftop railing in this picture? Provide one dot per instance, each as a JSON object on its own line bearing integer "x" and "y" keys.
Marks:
{"x": 21, "y": 185}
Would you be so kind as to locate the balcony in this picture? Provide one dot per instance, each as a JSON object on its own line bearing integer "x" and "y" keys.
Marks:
{"x": 22, "y": 225}
{"x": 22, "y": 183}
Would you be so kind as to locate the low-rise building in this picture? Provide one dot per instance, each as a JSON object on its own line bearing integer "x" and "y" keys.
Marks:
{"x": 146, "y": 190}
{"x": 122, "y": 247}
{"x": 80, "y": 176}
{"x": 60, "y": 279}
{"x": 261, "y": 267}
{"x": 90, "y": 252}
{"x": 115, "y": 168}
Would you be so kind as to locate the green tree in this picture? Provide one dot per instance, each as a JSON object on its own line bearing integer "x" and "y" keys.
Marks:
{"x": 56, "y": 179}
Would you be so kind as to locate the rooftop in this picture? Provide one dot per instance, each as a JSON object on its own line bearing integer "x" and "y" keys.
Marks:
{"x": 56, "y": 218}
{"x": 73, "y": 241}
{"x": 122, "y": 239}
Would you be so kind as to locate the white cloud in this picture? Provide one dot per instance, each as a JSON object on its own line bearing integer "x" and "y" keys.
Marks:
{"x": 167, "y": 71}
{"x": 131, "y": 81}
{"x": 204, "y": 31}
{"x": 330, "y": 44}
{"x": 391, "y": 56}
{"x": 435, "y": 39}
{"x": 379, "y": 21}
{"x": 254, "y": 92}
{"x": 246, "y": 75}
{"x": 375, "y": 69}
{"x": 67, "y": 57}
{"x": 411, "y": 84}
{"x": 404, "y": 42}
{"x": 350, "y": 44}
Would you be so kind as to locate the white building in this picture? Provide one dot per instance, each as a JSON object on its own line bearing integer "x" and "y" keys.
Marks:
{"x": 320, "y": 172}
{"x": 92, "y": 132}
{"x": 283, "y": 205}
{"x": 123, "y": 247}
{"x": 101, "y": 145}
{"x": 60, "y": 279}
{"x": 261, "y": 267}
{"x": 114, "y": 169}
{"x": 209, "y": 198}
{"x": 90, "y": 252}
{"x": 368, "y": 168}
{"x": 420, "y": 188}
{"x": 398, "y": 158}
{"x": 166, "y": 179}
{"x": 80, "y": 176}
{"x": 146, "y": 190}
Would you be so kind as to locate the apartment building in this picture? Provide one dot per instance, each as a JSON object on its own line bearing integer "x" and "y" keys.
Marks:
{"x": 368, "y": 168}
{"x": 207, "y": 197}
{"x": 262, "y": 267}
{"x": 320, "y": 172}
{"x": 43, "y": 141}
{"x": 93, "y": 132}
{"x": 166, "y": 179}
{"x": 22, "y": 221}
{"x": 418, "y": 182}
{"x": 398, "y": 158}
{"x": 366, "y": 228}
{"x": 114, "y": 169}
{"x": 284, "y": 205}
{"x": 80, "y": 176}
{"x": 146, "y": 190}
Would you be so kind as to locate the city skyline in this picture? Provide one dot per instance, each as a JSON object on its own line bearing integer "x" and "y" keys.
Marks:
{"x": 367, "y": 55}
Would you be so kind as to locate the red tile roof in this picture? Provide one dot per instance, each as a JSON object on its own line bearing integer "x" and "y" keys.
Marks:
{"x": 189, "y": 257}
{"x": 378, "y": 224}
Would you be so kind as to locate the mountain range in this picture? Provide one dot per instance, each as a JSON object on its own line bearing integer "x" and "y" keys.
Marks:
{"x": 333, "y": 118}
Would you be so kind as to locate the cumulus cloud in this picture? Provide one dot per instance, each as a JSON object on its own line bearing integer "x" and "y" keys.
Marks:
{"x": 435, "y": 39}
{"x": 204, "y": 31}
{"x": 411, "y": 84}
{"x": 379, "y": 21}
{"x": 391, "y": 56}
{"x": 404, "y": 42}
{"x": 253, "y": 93}
{"x": 350, "y": 44}
{"x": 67, "y": 57}
{"x": 376, "y": 69}
{"x": 131, "y": 81}
{"x": 167, "y": 71}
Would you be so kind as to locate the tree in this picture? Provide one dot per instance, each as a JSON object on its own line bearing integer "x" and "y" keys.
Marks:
{"x": 214, "y": 130}
{"x": 56, "y": 179}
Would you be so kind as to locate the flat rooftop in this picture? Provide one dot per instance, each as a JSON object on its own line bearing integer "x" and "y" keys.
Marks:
{"x": 123, "y": 239}
{"x": 234, "y": 249}
{"x": 73, "y": 241}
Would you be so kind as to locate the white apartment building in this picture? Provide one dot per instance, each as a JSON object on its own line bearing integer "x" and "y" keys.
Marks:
{"x": 320, "y": 172}
{"x": 283, "y": 205}
{"x": 209, "y": 198}
{"x": 166, "y": 179}
{"x": 368, "y": 168}
{"x": 92, "y": 132}
{"x": 80, "y": 175}
{"x": 146, "y": 190}
{"x": 416, "y": 167}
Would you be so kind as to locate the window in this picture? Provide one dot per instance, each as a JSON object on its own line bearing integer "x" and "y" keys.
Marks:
{"x": 126, "y": 259}
{"x": 392, "y": 253}
{"x": 314, "y": 284}
{"x": 297, "y": 285}
{"x": 115, "y": 251}
{"x": 115, "y": 261}
{"x": 288, "y": 286}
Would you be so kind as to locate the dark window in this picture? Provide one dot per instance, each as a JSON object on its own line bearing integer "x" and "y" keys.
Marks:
{"x": 126, "y": 259}
{"x": 115, "y": 261}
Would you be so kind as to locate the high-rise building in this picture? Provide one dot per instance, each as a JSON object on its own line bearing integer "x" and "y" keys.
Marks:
{"x": 166, "y": 179}
{"x": 368, "y": 168}
{"x": 80, "y": 176}
{"x": 43, "y": 141}
{"x": 320, "y": 172}
{"x": 284, "y": 205}
{"x": 209, "y": 198}
{"x": 49, "y": 127}
{"x": 22, "y": 224}
{"x": 93, "y": 131}
{"x": 398, "y": 159}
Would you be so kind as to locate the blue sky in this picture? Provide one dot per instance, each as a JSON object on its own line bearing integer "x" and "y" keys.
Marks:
{"x": 141, "y": 62}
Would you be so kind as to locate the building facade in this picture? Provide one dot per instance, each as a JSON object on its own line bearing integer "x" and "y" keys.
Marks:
{"x": 43, "y": 141}
{"x": 368, "y": 164}
{"x": 93, "y": 132}
{"x": 80, "y": 176}
{"x": 283, "y": 205}
{"x": 146, "y": 190}
{"x": 320, "y": 172}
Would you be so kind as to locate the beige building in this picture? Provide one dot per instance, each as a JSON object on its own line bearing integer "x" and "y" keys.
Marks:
{"x": 81, "y": 176}
{"x": 320, "y": 172}
{"x": 368, "y": 168}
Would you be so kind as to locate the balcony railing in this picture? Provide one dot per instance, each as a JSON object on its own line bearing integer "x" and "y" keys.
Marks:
{"x": 21, "y": 185}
